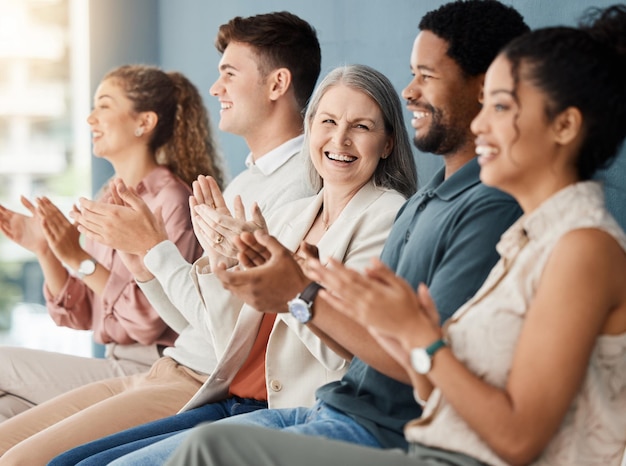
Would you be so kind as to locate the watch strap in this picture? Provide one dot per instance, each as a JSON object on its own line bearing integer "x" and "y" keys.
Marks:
{"x": 310, "y": 292}
{"x": 435, "y": 346}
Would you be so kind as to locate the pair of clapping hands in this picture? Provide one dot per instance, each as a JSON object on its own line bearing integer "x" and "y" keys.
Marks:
{"x": 110, "y": 222}
{"x": 46, "y": 229}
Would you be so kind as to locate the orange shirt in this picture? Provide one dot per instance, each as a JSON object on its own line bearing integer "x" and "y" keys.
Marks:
{"x": 250, "y": 380}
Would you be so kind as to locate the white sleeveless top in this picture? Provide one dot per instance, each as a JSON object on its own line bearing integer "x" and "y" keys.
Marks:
{"x": 483, "y": 335}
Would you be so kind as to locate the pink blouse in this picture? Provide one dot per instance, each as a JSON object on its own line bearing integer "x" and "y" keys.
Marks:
{"x": 122, "y": 314}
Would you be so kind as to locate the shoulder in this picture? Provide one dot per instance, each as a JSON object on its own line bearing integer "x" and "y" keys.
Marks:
{"x": 590, "y": 263}
{"x": 373, "y": 209}
{"x": 590, "y": 245}
{"x": 486, "y": 205}
{"x": 169, "y": 193}
{"x": 384, "y": 202}
{"x": 163, "y": 184}
{"x": 482, "y": 194}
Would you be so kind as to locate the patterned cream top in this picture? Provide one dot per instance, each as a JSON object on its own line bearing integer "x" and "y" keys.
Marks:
{"x": 483, "y": 335}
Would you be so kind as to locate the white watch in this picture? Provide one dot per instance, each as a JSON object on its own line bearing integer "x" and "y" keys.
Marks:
{"x": 86, "y": 268}
{"x": 422, "y": 358}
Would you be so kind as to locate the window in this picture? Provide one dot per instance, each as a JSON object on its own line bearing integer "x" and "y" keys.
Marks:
{"x": 44, "y": 148}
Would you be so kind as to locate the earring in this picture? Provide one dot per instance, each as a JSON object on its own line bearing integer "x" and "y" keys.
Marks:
{"x": 139, "y": 132}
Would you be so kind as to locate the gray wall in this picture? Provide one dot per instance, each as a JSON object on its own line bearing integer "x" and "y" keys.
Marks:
{"x": 378, "y": 33}
{"x": 120, "y": 32}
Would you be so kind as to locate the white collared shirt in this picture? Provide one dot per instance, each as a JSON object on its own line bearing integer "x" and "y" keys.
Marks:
{"x": 271, "y": 161}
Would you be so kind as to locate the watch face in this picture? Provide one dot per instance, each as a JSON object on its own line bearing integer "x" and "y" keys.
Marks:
{"x": 420, "y": 360}
{"x": 87, "y": 267}
{"x": 300, "y": 309}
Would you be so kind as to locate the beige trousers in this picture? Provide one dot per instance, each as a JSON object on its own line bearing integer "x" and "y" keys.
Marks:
{"x": 29, "y": 377}
{"x": 96, "y": 410}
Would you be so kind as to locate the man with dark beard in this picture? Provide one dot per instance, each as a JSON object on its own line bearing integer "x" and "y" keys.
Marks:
{"x": 444, "y": 236}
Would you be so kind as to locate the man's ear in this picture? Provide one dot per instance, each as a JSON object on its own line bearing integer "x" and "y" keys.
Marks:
{"x": 567, "y": 126}
{"x": 280, "y": 82}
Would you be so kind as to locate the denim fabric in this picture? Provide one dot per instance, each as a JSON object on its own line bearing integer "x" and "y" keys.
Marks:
{"x": 320, "y": 420}
{"x": 109, "y": 448}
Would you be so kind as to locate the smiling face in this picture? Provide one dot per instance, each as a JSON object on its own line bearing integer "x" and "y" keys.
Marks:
{"x": 241, "y": 90}
{"x": 347, "y": 138}
{"x": 443, "y": 101}
{"x": 113, "y": 120}
{"x": 516, "y": 144}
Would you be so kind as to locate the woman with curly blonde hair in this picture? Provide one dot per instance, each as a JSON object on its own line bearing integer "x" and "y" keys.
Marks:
{"x": 153, "y": 128}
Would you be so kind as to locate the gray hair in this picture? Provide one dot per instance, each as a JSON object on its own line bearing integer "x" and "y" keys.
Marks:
{"x": 397, "y": 171}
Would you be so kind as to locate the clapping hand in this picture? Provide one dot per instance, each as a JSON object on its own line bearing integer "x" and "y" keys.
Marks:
{"x": 110, "y": 223}
{"x": 23, "y": 229}
{"x": 62, "y": 236}
{"x": 215, "y": 227}
{"x": 392, "y": 311}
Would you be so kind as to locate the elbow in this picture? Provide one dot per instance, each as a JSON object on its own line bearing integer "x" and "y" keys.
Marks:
{"x": 519, "y": 450}
{"x": 146, "y": 337}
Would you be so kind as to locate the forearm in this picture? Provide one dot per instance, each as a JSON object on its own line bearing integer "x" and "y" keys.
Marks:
{"x": 490, "y": 411}
{"x": 172, "y": 271}
{"x": 96, "y": 281}
{"x": 331, "y": 343}
{"x": 54, "y": 273}
{"x": 354, "y": 339}
{"x": 159, "y": 300}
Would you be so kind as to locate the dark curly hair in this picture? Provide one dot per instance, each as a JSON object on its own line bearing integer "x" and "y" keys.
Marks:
{"x": 475, "y": 30}
{"x": 281, "y": 39}
{"x": 583, "y": 68}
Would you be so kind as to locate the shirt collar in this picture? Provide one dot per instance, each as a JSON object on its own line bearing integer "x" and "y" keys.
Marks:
{"x": 277, "y": 157}
{"x": 155, "y": 180}
{"x": 463, "y": 179}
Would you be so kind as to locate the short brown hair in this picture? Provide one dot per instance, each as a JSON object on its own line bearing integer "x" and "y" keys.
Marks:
{"x": 281, "y": 40}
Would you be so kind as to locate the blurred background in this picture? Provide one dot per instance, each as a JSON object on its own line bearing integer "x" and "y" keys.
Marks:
{"x": 53, "y": 54}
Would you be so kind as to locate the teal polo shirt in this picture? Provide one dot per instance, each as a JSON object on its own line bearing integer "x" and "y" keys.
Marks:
{"x": 444, "y": 236}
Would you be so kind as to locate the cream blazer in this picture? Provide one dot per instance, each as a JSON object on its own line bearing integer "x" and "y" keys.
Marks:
{"x": 297, "y": 361}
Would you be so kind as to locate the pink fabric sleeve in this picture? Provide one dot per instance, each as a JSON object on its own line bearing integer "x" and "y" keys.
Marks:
{"x": 123, "y": 314}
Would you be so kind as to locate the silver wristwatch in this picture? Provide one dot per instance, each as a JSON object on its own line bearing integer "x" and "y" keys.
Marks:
{"x": 301, "y": 307}
{"x": 86, "y": 268}
{"x": 422, "y": 358}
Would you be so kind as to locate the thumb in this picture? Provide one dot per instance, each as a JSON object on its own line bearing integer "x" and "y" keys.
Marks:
{"x": 239, "y": 209}
{"x": 271, "y": 243}
{"x": 29, "y": 205}
{"x": 428, "y": 303}
{"x": 131, "y": 198}
{"x": 310, "y": 250}
{"x": 257, "y": 216}
{"x": 158, "y": 214}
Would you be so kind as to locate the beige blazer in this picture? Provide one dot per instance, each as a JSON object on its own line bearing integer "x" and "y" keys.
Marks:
{"x": 297, "y": 362}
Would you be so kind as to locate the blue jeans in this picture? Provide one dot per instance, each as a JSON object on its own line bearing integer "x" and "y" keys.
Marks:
{"x": 108, "y": 448}
{"x": 321, "y": 420}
